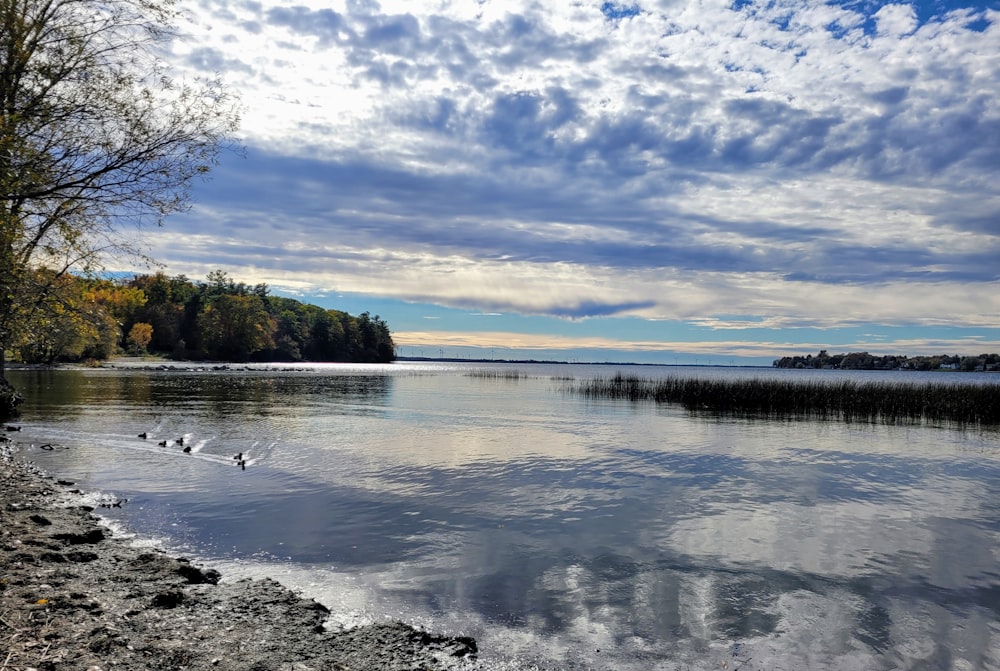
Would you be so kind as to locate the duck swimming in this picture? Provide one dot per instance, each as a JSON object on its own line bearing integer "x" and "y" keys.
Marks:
{"x": 143, "y": 435}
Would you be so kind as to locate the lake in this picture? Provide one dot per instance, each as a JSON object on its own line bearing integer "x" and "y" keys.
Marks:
{"x": 489, "y": 500}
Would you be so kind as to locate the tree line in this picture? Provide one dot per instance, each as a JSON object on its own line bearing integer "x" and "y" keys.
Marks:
{"x": 866, "y": 361}
{"x": 219, "y": 320}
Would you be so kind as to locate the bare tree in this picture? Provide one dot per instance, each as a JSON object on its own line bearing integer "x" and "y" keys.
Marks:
{"x": 96, "y": 140}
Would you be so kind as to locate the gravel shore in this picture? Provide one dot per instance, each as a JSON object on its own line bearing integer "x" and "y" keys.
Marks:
{"x": 73, "y": 596}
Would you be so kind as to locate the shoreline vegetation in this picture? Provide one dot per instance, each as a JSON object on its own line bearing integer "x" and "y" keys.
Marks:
{"x": 849, "y": 400}
{"x": 185, "y": 320}
{"x": 866, "y": 361}
{"x": 75, "y": 596}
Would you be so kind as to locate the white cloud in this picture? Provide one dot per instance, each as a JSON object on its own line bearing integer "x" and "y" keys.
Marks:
{"x": 896, "y": 20}
{"x": 690, "y": 161}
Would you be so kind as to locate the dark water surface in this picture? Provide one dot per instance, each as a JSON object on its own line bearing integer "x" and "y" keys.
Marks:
{"x": 582, "y": 533}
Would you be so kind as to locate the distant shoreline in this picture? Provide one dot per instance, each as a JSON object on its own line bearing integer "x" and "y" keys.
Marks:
{"x": 158, "y": 363}
{"x": 430, "y": 359}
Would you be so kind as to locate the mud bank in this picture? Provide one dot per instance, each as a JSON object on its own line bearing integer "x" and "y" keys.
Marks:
{"x": 73, "y": 596}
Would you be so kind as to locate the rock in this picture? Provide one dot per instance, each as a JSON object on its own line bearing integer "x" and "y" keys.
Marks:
{"x": 169, "y": 599}
{"x": 197, "y": 576}
{"x": 89, "y": 537}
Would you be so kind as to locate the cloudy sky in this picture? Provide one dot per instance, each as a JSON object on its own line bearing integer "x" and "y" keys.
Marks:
{"x": 659, "y": 181}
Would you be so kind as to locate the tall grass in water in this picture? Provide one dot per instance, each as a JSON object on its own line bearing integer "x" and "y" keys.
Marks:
{"x": 846, "y": 399}
{"x": 498, "y": 374}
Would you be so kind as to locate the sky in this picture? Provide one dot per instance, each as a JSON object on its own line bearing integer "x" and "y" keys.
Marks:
{"x": 672, "y": 181}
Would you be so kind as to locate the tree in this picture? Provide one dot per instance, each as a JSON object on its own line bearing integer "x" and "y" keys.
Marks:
{"x": 376, "y": 342}
{"x": 121, "y": 302}
{"x": 970, "y": 363}
{"x": 219, "y": 282}
{"x": 95, "y": 139}
{"x": 69, "y": 325}
{"x": 290, "y": 335}
{"x": 139, "y": 336}
{"x": 234, "y": 327}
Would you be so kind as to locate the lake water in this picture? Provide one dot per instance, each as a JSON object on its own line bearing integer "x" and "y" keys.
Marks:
{"x": 559, "y": 531}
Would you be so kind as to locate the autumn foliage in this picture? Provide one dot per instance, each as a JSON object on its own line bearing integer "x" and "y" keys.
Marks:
{"x": 220, "y": 320}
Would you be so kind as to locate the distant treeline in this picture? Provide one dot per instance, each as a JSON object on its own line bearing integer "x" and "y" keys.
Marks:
{"x": 866, "y": 361}
{"x": 219, "y": 319}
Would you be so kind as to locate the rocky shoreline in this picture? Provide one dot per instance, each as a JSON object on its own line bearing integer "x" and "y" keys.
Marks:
{"x": 73, "y": 596}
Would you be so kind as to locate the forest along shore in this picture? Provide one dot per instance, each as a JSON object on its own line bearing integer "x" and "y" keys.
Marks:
{"x": 73, "y": 596}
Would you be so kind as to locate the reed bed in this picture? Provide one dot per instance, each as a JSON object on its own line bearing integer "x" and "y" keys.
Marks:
{"x": 498, "y": 374}
{"x": 845, "y": 399}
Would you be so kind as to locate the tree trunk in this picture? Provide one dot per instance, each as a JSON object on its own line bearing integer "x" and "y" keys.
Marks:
{"x": 9, "y": 398}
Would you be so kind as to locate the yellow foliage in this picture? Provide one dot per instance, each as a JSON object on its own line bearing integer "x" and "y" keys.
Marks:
{"x": 139, "y": 337}
{"x": 120, "y": 301}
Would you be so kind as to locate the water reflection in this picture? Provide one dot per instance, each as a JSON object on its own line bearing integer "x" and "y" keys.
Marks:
{"x": 556, "y": 525}
{"x": 59, "y": 392}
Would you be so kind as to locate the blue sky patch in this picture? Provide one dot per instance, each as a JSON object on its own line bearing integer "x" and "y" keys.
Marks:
{"x": 615, "y": 11}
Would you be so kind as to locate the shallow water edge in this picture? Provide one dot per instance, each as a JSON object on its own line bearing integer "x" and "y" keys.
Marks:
{"x": 73, "y": 595}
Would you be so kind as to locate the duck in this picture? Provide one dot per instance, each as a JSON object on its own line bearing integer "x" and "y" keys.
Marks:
{"x": 187, "y": 449}
{"x": 162, "y": 443}
{"x": 243, "y": 464}
{"x": 12, "y": 428}
{"x": 143, "y": 435}
{"x": 117, "y": 503}
{"x": 180, "y": 441}
{"x": 238, "y": 457}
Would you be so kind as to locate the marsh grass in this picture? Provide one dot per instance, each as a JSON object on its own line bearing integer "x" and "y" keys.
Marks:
{"x": 845, "y": 399}
{"x": 498, "y": 374}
